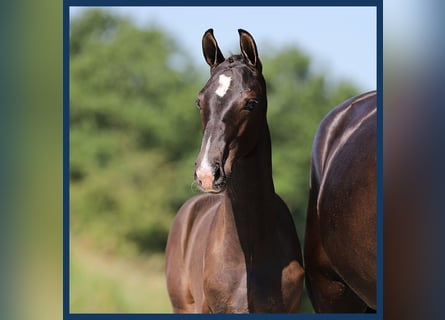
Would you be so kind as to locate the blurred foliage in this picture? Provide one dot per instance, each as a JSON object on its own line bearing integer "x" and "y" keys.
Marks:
{"x": 135, "y": 132}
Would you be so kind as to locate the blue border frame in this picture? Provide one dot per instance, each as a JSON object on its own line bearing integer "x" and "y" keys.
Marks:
{"x": 66, "y": 162}
{"x": 227, "y": 3}
{"x": 380, "y": 158}
{"x": 66, "y": 116}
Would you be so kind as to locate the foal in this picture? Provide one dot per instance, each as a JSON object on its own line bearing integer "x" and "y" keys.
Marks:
{"x": 234, "y": 249}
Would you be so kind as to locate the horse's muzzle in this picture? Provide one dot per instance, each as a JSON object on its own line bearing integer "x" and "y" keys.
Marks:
{"x": 210, "y": 179}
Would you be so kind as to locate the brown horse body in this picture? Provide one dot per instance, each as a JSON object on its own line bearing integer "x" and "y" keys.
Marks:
{"x": 234, "y": 249}
{"x": 340, "y": 239}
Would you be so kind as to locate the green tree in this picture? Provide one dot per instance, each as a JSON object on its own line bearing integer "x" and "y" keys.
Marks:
{"x": 128, "y": 132}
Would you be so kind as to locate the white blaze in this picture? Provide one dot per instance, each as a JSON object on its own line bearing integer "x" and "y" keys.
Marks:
{"x": 205, "y": 165}
{"x": 224, "y": 83}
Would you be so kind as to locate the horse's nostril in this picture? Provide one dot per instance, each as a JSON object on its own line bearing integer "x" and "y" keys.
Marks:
{"x": 217, "y": 173}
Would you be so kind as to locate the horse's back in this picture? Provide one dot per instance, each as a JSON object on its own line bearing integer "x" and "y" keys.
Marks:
{"x": 190, "y": 229}
{"x": 350, "y": 123}
{"x": 342, "y": 209}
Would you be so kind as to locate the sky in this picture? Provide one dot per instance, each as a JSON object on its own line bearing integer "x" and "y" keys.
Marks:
{"x": 341, "y": 41}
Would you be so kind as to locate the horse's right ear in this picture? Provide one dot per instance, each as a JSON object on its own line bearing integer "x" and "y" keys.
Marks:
{"x": 210, "y": 49}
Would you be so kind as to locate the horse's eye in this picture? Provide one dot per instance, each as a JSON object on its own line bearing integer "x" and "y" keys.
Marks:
{"x": 250, "y": 104}
{"x": 198, "y": 104}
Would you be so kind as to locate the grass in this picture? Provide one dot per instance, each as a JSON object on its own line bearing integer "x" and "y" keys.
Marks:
{"x": 105, "y": 283}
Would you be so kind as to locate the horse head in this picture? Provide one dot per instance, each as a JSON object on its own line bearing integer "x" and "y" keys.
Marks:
{"x": 233, "y": 107}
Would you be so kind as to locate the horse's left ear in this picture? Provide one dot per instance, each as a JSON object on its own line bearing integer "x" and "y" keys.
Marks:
{"x": 248, "y": 49}
{"x": 210, "y": 49}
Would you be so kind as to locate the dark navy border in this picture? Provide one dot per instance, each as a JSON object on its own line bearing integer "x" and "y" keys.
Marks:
{"x": 380, "y": 159}
{"x": 66, "y": 163}
{"x": 66, "y": 115}
{"x": 140, "y": 316}
{"x": 226, "y": 3}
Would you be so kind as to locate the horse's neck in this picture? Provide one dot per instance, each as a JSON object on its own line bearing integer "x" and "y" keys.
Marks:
{"x": 250, "y": 195}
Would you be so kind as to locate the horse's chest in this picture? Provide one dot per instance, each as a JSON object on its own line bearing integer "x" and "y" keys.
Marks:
{"x": 234, "y": 283}
{"x": 225, "y": 288}
{"x": 239, "y": 289}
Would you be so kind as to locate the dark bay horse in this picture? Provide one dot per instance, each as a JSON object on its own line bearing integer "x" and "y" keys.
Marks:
{"x": 340, "y": 239}
{"x": 234, "y": 248}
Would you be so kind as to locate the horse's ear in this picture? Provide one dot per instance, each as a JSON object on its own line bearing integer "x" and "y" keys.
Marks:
{"x": 210, "y": 49}
{"x": 248, "y": 49}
